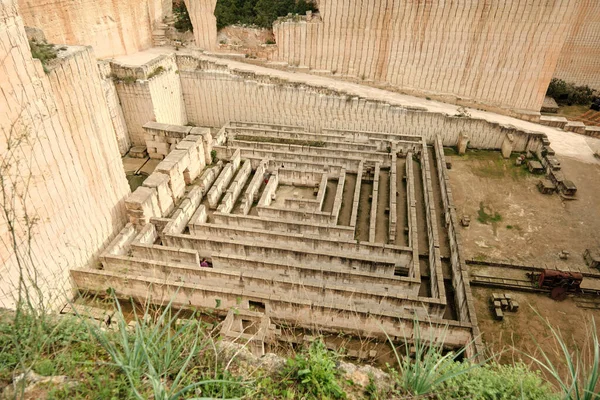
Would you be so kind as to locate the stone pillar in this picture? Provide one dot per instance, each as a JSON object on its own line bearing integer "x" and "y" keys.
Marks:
{"x": 463, "y": 142}
{"x": 202, "y": 15}
{"x": 507, "y": 145}
{"x": 206, "y": 141}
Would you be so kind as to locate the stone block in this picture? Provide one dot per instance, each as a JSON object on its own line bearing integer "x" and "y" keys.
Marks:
{"x": 142, "y": 205}
{"x": 498, "y": 314}
{"x": 575, "y": 126}
{"x": 138, "y": 152}
{"x": 160, "y": 182}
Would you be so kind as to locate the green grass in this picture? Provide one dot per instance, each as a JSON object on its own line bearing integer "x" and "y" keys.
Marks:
{"x": 56, "y": 346}
{"x": 488, "y": 218}
{"x": 491, "y": 164}
{"x": 450, "y": 151}
{"x": 423, "y": 372}
{"x": 582, "y": 378}
{"x": 166, "y": 356}
{"x": 480, "y": 257}
{"x": 496, "y": 381}
{"x": 572, "y": 111}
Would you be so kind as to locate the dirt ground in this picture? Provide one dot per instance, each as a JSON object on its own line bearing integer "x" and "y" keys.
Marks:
{"x": 512, "y": 221}
{"x": 292, "y": 192}
{"x": 522, "y": 331}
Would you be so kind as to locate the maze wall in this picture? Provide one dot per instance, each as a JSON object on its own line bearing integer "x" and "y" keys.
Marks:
{"x": 215, "y": 94}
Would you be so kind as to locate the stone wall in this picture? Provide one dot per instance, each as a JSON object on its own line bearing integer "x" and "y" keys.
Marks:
{"x": 214, "y": 94}
{"x": 151, "y": 92}
{"x": 465, "y": 303}
{"x": 579, "y": 59}
{"x": 111, "y": 27}
{"x": 114, "y": 107}
{"x": 65, "y": 180}
{"x": 492, "y": 53}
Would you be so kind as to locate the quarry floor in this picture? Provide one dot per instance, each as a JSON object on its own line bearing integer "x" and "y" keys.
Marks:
{"x": 532, "y": 230}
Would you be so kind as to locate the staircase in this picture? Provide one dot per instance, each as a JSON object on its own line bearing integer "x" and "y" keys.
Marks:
{"x": 159, "y": 34}
{"x": 590, "y": 117}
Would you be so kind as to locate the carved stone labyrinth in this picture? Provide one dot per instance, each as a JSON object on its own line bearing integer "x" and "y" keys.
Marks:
{"x": 331, "y": 231}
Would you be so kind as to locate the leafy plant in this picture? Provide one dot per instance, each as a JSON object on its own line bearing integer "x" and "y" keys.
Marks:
{"x": 423, "y": 371}
{"x": 582, "y": 378}
{"x": 314, "y": 371}
{"x": 213, "y": 158}
{"x": 371, "y": 391}
{"x": 495, "y": 381}
{"x": 157, "y": 352}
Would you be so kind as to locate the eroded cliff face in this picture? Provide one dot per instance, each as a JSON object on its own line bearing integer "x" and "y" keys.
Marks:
{"x": 111, "y": 27}
{"x": 579, "y": 59}
{"x": 63, "y": 185}
{"x": 496, "y": 53}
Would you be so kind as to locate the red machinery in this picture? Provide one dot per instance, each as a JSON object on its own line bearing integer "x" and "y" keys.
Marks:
{"x": 559, "y": 282}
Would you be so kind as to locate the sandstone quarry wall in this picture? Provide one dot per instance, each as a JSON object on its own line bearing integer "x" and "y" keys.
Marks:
{"x": 214, "y": 95}
{"x": 61, "y": 167}
{"x": 111, "y": 27}
{"x": 202, "y": 15}
{"x": 114, "y": 107}
{"x": 579, "y": 60}
{"x": 499, "y": 54}
{"x": 150, "y": 92}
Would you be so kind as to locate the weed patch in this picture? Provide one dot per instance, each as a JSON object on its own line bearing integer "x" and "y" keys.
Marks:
{"x": 157, "y": 71}
{"x": 487, "y": 218}
{"x": 44, "y": 52}
{"x": 314, "y": 373}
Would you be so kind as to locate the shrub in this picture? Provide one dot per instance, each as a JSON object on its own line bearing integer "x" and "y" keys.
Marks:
{"x": 183, "y": 23}
{"x": 43, "y": 51}
{"x": 258, "y": 12}
{"x": 314, "y": 371}
{"x": 157, "y": 71}
{"x": 567, "y": 93}
{"x": 495, "y": 381}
